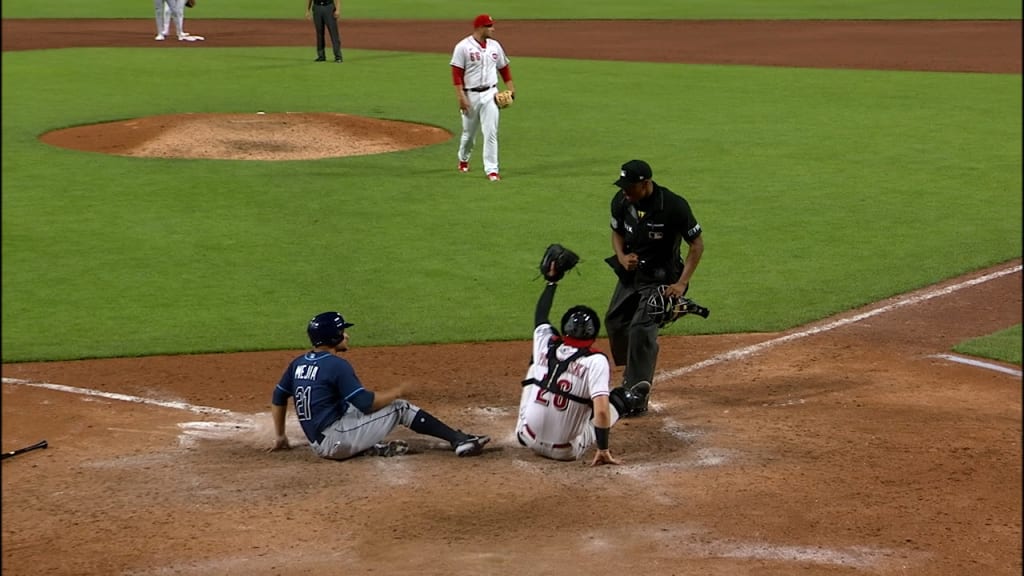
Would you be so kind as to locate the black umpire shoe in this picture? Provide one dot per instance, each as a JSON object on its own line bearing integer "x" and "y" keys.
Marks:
{"x": 640, "y": 394}
{"x": 320, "y": 60}
{"x": 631, "y": 401}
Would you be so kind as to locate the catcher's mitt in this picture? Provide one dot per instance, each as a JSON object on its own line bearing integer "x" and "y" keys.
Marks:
{"x": 504, "y": 98}
{"x": 563, "y": 260}
{"x": 667, "y": 309}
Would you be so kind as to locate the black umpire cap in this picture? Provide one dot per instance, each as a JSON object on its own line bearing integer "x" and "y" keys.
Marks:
{"x": 632, "y": 172}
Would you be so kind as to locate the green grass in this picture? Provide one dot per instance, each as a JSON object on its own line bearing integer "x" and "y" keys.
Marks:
{"x": 819, "y": 190}
{"x": 549, "y": 9}
{"x": 1004, "y": 346}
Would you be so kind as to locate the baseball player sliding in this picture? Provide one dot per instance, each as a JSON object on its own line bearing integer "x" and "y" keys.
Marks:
{"x": 340, "y": 417}
{"x": 476, "y": 63}
{"x": 567, "y": 381}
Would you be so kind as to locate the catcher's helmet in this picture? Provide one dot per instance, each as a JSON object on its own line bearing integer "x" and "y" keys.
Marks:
{"x": 581, "y": 322}
{"x": 327, "y": 329}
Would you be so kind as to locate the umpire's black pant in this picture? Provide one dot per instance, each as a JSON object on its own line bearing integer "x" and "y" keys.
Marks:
{"x": 632, "y": 334}
{"x": 323, "y": 17}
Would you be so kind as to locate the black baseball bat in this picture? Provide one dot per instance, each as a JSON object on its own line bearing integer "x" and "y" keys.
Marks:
{"x": 40, "y": 444}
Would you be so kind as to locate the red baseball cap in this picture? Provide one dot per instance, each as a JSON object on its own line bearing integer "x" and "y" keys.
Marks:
{"x": 483, "y": 20}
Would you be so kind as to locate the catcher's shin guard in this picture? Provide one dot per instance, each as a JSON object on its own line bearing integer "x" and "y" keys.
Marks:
{"x": 617, "y": 398}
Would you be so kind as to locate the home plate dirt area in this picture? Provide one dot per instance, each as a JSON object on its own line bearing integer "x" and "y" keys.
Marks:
{"x": 855, "y": 445}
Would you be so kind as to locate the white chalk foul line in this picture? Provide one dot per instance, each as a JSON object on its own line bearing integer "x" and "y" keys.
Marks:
{"x": 978, "y": 363}
{"x": 123, "y": 397}
{"x": 899, "y": 303}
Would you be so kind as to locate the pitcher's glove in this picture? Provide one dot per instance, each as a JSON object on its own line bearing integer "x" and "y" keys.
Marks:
{"x": 563, "y": 260}
{"x": 504, "y": 98}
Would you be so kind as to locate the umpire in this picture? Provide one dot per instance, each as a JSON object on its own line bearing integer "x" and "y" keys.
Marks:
{"x": 325, "y": 14}
{"x": 649, "y": 224}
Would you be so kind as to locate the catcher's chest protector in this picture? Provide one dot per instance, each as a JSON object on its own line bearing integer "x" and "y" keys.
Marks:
{"x": 556, "y": 369}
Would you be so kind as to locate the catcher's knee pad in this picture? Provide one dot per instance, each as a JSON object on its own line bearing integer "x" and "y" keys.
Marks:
{"x": 617, "y": 398}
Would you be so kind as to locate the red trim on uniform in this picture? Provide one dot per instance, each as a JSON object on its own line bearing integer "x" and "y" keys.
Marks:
{"x": 577, "y": 343}
{"x": 506, "y": 73}
{"x": 458, "y": 76}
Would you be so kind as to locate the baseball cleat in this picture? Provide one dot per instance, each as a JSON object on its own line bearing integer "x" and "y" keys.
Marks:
{"x": 388, "y": 449}
{"x": 493, "y": 177}
{"x": 463, "y": 166}
{"x": 471, "y": 446}
{"x": 159, "y": 37}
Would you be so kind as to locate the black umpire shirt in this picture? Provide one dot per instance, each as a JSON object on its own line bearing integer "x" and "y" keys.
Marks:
{"x": 654, "y": 228}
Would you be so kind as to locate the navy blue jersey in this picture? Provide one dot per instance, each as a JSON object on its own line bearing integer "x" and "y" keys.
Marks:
{"x": 323, "y": 386}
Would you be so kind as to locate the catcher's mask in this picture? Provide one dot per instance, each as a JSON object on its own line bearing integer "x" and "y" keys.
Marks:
{"x": 327, "y": 329}
{"x": 581, "y": 322}
{"x": 664, "y": 309}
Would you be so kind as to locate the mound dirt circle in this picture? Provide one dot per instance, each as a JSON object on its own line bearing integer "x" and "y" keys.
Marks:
{"x": 251, "y": 136}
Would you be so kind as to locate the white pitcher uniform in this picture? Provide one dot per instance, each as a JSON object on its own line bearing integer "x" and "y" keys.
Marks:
{"x": 553, "y": 425}
{"x": 480, "y": 63}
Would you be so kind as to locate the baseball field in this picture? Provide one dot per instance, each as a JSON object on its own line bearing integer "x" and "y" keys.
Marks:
{"x": 851, "y": 406}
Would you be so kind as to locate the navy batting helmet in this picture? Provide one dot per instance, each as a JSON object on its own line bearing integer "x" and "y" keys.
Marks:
{"x": 327, "y": 329}
{"x": 581, "y": 322}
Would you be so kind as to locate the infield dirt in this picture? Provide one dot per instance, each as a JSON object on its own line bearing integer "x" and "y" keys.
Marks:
{"x": 849, "y": 450}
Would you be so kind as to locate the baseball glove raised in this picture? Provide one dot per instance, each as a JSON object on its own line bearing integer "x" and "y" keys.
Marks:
{"x": 504, "y": 98}
{"x": 557, "y": 261}
{"x": 667, "y": 309}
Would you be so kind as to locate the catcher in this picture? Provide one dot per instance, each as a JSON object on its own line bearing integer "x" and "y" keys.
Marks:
{"x": 566, "y": 406}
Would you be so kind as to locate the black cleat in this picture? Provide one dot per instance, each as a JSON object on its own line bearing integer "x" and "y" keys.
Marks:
{"x": 637, "y": 398}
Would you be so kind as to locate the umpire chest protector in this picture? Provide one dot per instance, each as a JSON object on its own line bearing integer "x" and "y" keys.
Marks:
{"x": 654, "y": 229}
{"x": 556, "y": 368}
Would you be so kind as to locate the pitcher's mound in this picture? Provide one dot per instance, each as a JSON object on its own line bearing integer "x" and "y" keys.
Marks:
{"x": 277, "y": 136}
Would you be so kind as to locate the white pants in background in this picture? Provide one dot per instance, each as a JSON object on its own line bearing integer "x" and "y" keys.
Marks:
{"x": 166, "y": 10}
{"x": 482, "y": 115}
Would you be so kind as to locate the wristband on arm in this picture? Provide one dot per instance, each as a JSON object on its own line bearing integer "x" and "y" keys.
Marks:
{"x": 602, "y": 437}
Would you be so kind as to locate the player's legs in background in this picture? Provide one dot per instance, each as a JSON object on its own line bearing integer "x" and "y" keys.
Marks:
{"x": 489, "y": 116}
{"x": 332, "y": 28}
{"x": 319, "y": 23}
{"x": 470, "y": 125}
{"x": 158, "y": 7}
{"x": 177, "y": 9}
{"x": 167, "y": 17}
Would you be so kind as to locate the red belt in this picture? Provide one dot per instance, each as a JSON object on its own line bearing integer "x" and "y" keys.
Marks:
{"x": 530, "y": 433}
